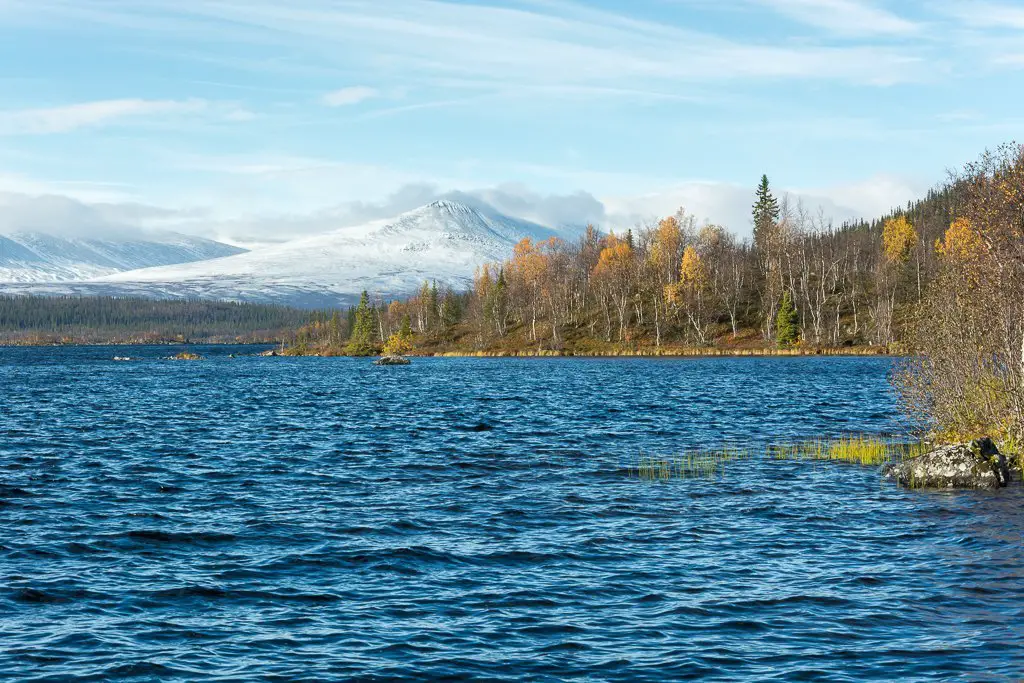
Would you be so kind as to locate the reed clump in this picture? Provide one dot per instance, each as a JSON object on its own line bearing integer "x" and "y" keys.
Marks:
{"x": 872, "y": 451}
{"x": 690, "y": 465}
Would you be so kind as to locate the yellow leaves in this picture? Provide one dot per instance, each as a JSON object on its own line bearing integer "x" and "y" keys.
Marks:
{"x": 693, "y": 278}
{"x": 961, "y": 243}
{"x": 482, "y": 280}
{"x": 692, "y": 272}
{"x": 397, "y": 344}
{"x": 665, "y": 246}
{"x": 898, "y": 238}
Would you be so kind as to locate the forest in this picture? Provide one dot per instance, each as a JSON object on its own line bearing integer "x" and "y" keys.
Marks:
{"x": 84, "y": 320}
{"x": 799, "y": 282}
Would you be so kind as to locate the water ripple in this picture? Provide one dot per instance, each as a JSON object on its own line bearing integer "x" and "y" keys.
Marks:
{"x": 318, "y": 519}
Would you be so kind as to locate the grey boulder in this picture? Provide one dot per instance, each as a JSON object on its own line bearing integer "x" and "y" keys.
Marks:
{"x": 391, "y": 360}
{"x": 974, "y": 465}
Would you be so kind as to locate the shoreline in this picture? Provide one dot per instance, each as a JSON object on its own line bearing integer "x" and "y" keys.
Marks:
{"x": 84, "y": 344}
{"x": 666, "y": 353}
{"x": 679, "y": 352}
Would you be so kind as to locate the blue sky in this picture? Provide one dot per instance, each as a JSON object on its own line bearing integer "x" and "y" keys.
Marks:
{"x": 261, "y": 117}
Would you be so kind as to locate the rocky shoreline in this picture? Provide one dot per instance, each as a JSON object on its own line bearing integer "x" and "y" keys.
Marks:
{"x": 976, "y": 464}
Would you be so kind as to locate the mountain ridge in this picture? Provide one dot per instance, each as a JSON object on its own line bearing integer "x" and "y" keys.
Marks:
{"x": 38, "y": 257}
{"x": 445, "y": 241}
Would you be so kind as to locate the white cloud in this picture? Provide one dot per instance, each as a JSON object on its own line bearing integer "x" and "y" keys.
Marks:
{"x": 722, "y": 203}
{"x": 729, "y": 204}
{"x": 349, "y": 96}
{"x": 81, "y": 190}
{"x": 550, "y": 43}
{"x": 74, "y": 116}
{"x": 845, "y": 17}
{"x": 63, "y": 215}
{"x": 987, "y": 14}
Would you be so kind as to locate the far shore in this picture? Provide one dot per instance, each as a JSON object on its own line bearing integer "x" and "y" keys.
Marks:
{"x": 710, "y": 352}
{"x": 664, "y": 352}
{"x": 646, "y": 352}
{"x": 11, "y": 343}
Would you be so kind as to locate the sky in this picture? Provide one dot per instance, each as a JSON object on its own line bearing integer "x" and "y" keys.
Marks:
{"x": 260, "y": 120}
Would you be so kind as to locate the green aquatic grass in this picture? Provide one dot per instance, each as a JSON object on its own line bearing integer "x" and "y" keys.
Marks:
{"x": 690, "y": 465}
{"x": 864, "y": 450}
{"x": 871, "y": 451}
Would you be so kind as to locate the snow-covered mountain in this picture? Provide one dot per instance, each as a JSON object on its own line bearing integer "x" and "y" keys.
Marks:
{"x": 443, "y": 241}
{"x": 34, "y": 257}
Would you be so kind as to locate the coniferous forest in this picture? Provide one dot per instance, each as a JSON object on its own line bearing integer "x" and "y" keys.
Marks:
{"x": 47, "y": 320}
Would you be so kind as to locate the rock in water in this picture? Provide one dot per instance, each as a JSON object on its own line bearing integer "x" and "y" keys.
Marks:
{"x": 186, "y": 355}
{"x": 974, "y": 465}
{"x": 391, "y": 360}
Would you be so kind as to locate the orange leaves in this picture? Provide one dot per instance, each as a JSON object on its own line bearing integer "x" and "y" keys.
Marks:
{"x": 961, "y": 243}
{"x": 616, "y": 258}
{"x": 898, "y": 239}
{"x": 531, "y": 261}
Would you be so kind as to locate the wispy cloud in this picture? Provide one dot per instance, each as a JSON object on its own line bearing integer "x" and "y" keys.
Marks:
{"x": 74, "y": 116}
{"x": 986, "y": 14}
{"x": 348, "y": 96}
{"x": 845, "y": 17}
{"x": 1015, "y": 61}
{"x": 540, "y": 43}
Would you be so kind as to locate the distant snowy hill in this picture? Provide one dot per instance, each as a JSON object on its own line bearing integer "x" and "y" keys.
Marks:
{"x": 444, "y": 241}
{"x": 36, "y": 257}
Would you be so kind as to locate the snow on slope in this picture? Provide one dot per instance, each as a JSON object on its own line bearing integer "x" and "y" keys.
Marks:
{"x": 443, "y": 241}
{"x": 36, "y": 257}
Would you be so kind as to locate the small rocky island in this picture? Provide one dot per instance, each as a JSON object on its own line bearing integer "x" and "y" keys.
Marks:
{"x": 976, "y": 464}
{"x": 392, "y": 360}
{"x": 186, "y": 355}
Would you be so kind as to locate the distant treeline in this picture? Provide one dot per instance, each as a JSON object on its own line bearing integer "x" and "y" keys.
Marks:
{"x": 99, "y": 319}
{"x": 798, "y": 280}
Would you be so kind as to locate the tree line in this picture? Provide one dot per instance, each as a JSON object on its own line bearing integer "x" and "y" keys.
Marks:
{"x": 95, "y": 319}
{"x": 799, "y": 279}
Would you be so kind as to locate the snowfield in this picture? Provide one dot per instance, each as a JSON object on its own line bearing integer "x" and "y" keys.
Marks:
{"x": 443, "y": 241}
{"x": 36, "y": 257}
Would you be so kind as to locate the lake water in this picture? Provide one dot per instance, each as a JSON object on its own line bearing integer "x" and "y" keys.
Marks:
{"x": 323, "y": 519}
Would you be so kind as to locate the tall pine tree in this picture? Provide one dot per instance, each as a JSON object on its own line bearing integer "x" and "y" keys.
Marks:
{"x": 787, "y": 322}
{"x": 767, "y": 244}
{"x": 766, "y": 212}
{"x": 362, "y": 342}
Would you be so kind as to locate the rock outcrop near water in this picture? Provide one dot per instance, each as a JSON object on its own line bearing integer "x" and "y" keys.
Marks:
{"x": 974, "y": 465}
{"x": 392, "y": 360}
{"x": 186, "y": 355}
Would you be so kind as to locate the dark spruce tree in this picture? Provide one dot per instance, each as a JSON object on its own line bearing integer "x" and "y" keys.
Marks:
{"x": 766, "y": 211}
{"x": 363, "y": 342}
{"x": 787, "y": 322}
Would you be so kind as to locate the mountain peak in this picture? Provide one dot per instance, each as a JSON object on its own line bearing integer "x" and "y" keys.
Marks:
{"x": 450, "y": 206}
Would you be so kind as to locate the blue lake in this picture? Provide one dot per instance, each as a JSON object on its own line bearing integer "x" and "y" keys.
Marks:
{"x": 322, "y": 519}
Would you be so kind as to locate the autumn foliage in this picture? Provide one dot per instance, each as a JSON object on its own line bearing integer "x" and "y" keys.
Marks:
{"x": 674, "y": 282}
{"x": 969, "y": 379}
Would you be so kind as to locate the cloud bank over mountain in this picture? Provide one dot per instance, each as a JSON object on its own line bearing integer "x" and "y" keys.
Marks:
{"x": 720, "y": 203}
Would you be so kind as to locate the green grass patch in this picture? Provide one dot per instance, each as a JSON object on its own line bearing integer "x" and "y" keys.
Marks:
{"x": 693, "y": 465}
{"x": 872, "y": 451}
